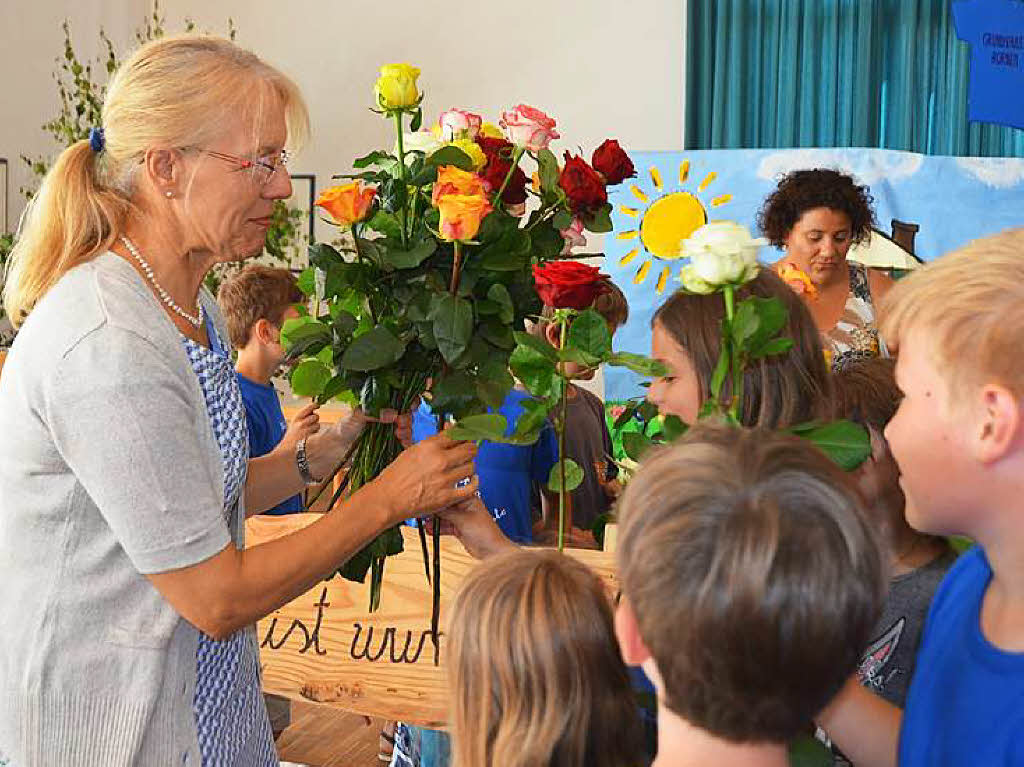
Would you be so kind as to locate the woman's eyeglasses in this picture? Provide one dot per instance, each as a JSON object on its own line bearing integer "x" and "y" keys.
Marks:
{"x": 262, "y": 169}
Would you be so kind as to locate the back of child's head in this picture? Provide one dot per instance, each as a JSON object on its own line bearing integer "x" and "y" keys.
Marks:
{"x": 754, "y": 577}
{"x": 535, "y": 674}
{"x": 865, "y": 391}
{"x": 969, "y": 308}
{"x": 780, "y": 390}
{"x": 610, "y": 304}
{"x": 256, "y": 293}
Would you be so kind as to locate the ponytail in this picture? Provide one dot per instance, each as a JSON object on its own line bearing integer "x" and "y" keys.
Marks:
{"x": 72, "y": 219}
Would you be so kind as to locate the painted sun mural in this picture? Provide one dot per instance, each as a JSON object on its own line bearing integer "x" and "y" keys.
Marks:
{"x": 664, "y": 218}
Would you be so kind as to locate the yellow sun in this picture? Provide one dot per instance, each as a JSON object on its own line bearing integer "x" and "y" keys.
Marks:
{"x": 666, "y": 221}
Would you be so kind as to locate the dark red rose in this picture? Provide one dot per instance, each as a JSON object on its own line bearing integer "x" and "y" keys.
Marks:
{"x": 569, "y": 284}
{"x": 582, "y": 185}
{"x": 495, "y": 147}
{"x": 494, "y": 175}
{"x": 612, "y": 162}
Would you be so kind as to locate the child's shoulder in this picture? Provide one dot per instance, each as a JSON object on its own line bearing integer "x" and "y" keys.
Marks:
{"x": 964, "y": 583}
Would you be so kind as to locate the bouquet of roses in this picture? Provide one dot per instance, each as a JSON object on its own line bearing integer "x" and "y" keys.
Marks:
{"x": 435, "y": 278}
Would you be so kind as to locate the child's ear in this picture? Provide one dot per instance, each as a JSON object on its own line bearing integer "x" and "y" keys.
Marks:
{"x": 263, "y": 331}
{"x": 552, "y": 334}
{"x": 634, "y": 651}
{"x": 1000, "y": 428}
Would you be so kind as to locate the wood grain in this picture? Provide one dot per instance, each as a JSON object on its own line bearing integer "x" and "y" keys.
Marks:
{"x": 324, "y": 646}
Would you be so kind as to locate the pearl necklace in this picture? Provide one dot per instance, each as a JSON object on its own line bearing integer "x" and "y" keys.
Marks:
{"x": 194, "y": 320}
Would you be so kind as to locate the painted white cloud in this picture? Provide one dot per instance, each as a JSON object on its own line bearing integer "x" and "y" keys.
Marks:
{"x": 997, "y": 172}
{"x": 868, "y": 167}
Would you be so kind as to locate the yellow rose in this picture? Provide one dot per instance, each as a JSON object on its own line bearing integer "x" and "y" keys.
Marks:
{"x": 348, "y": 203}
{"x": 491, "y": 131}
{"x": 461, "y": 215}
{"x": 396, "y": 86}
{"x": 452, "y": 180}
{"x": 471, "y": 148}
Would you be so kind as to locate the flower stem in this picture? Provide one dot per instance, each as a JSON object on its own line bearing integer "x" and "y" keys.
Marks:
{"x": 453, "y": 286}
{"x": 729, "y": 343}
{"x": 401, "y": 173}
{"x": 561, "y": 445}
{"x": 517, "y": 155}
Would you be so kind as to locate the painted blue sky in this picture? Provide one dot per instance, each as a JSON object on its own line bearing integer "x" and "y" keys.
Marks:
{"x": 952, "y": 199}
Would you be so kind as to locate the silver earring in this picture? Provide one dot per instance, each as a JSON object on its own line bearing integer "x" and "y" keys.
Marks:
{"x": 169, "y": 194}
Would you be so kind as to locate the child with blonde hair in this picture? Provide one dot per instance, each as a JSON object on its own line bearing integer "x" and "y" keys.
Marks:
{"x": 958, "y": 438}
{"x": 535, "y": 676}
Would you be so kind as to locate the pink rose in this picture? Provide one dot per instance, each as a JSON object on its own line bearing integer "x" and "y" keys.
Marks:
{"x": 573, "y": 236}
{"x": 528, "y": 127}
{"x": 456, "y": 123}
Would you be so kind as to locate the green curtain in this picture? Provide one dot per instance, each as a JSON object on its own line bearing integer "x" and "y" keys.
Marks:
{"x": 824, "y": 73}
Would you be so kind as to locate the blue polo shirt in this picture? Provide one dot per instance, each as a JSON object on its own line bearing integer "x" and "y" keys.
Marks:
{"x": 267, "y": 426}
{"x": 507, "y": 472}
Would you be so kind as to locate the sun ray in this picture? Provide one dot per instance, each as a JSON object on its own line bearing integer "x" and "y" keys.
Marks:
{"x": 634, "y": 212}
{"x": 684, "y": 171}
{"x": 722, "y": 199}
{"x": 639, "y": 193}
{"x": 628, "y": 257}
{"x": 656, "y": 178}
{"x": 707, "y": 180}
{"x": 631, "y": 234}
{"x": 662, "y": 279}
{"x": 641, "y": 273}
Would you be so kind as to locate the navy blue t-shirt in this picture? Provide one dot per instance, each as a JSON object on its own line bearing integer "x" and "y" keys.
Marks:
{"x": 507, "y": 472}
{"x": 966, "y": 700}
{"x": 266, "y": 428}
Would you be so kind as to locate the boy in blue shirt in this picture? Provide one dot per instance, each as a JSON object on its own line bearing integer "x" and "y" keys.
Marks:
{"x": 958, "y": 438}
{"x": 255, "y": 303}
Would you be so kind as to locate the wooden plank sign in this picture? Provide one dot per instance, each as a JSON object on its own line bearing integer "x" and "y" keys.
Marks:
{"x": 325, "y": 647}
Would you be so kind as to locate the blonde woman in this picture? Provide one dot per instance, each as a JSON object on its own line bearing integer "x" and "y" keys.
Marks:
{"x": 128, "y": 598}
{"x": 535, "y": 675}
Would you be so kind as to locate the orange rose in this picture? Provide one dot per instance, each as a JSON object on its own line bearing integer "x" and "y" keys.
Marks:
{"x": 347, "y": 204}
{"x": 798, "y": 280}
{"x": 461, "y": 215}
{"x": 452, "y": 180}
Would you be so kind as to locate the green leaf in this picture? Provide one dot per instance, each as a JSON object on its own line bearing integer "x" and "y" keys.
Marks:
{"x": 589, "y": 332}
{"x": 547, "y": 170}
{"x": 498, "y": 334}
{"x": 373, "y": 158}
{"x": 773, "y": 347}
{"x": 385, "y": 223}
{"x": 306, "y": 281}
{"x": 293, "y": 325}
{"x": 493, "y": 384}
{"x": 500, "y": 295}
{"x": 719, "y": 374}
{"x": 450, "y": 155}
{"x": 772, "y": 315}
{"x": 844, "y": 442}
{"x": 673, "y": 428}
{"x": 322, "y": 255}
{"x": 745, "y": 323}
{"x": 578, "y": 356}
{"x": 392, "y": 195}
{"x": 417, "y": 120}
{"x": 546, "y": 241}
{"x": 638, "y": 363}
{"x": 374, "y": 349}
{"x": 535, "y": 370}
{"x": 453, "y": 326}
{"x": 410, "y": 259}
{"x": 562, "y": 220}
{"x": 309, "y": 378}
{"x": 490, "y": 426}
{"x": 635, "y": 444}
{"x": 531, "y": 422}
{"x": 453, "y": 393}
{"x": 600, "y": 221}
{"x": 509, "y": 253}
{"x": 807, "y": 751}
{"x": 573, "y": 476}
{"x": 334, "y": 388}
{"x": 539, "y": 345}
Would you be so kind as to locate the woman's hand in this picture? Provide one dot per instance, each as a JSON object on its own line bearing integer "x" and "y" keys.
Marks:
{"x": 305, "y": 423}
{"x": 430, "y": 475}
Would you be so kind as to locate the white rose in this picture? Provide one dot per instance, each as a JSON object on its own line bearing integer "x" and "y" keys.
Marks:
{"x": 720, "y": 253}
{"x": 420, "y": 141}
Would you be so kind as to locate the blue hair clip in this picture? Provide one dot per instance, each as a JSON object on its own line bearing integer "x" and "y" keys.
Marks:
{"x": 96, "y": 139}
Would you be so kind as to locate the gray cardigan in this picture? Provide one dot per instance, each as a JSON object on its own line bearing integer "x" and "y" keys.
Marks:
{"x": 108, "y": 470}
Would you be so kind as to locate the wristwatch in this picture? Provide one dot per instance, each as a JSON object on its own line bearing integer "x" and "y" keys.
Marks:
{"x": 303, "y": 463}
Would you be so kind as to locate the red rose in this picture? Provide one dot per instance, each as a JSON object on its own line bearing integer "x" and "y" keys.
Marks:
{"x": 612, "y": 162}
{"x": 499, "y": 159}
{"x": 582, "y": 185}
{"x": 569, "y": 284}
